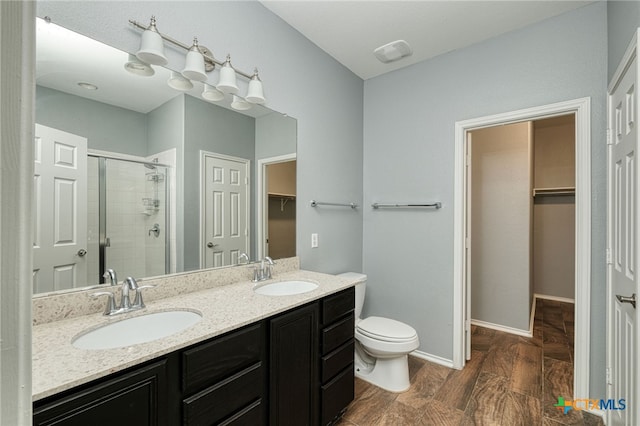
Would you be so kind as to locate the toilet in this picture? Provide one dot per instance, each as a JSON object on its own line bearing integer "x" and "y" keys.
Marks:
{"x": 382, "y": 345}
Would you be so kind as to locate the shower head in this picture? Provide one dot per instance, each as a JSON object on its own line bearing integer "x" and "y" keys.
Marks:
{"x": 149, "y": 166}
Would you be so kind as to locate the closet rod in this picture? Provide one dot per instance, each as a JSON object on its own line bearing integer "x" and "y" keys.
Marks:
{"x": 315, "y": 203}
{"x": 437, "y": 205}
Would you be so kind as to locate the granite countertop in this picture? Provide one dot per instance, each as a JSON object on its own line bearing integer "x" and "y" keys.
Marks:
{"x": 58, "y": 366}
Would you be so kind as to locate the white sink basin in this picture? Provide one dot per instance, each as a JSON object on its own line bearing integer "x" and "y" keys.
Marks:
{"x": 286, "y": 288}
{"x": 140, "y": 329}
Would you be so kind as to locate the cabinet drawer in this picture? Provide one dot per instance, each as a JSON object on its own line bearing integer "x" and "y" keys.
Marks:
{"x": 251, "y": 415}
{"x": 336, "y": 395}
{"x": 337, "y": 334}
{"x": 338, "y": 305}
{"x": 211, "y": 362}
{"x": 226, "y": 398}
{"x": 337, "y": 360}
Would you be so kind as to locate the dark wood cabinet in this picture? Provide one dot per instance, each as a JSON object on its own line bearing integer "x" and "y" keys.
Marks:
{"x": 337, "y": 346}
{"x": 137, "y": 397}
{"x": 224, "y": 380}
{"x": 295, "y": 368}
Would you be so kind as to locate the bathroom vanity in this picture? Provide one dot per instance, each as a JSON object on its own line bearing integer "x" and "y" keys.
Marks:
{"x": 280, "y": 360}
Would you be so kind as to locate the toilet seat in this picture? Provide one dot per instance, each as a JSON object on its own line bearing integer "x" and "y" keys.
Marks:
{"x": 386, "y": 330}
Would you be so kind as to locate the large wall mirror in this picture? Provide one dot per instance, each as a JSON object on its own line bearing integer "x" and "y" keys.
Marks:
{"x": 147, "y": 179}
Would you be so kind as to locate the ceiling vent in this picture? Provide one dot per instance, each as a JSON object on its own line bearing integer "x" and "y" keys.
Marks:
{"x": 393, "y": 51}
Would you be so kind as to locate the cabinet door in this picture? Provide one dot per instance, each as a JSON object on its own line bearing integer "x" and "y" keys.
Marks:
{"x": 294, "y": 367}
{"x": 135, "y": 398}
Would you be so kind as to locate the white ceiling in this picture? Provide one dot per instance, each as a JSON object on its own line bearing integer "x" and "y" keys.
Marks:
{"x": 349, "y": 31}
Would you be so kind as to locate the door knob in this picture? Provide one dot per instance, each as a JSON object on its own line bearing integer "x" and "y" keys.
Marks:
{"x": 211, "y": 245}
{"x": 81, "y": 252}
{"x": 626, "y": 299}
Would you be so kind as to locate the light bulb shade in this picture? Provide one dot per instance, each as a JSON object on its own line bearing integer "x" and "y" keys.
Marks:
{"x": 152, "y": 48}
{"x": 137, "y": 67}
{"x": 227, "y": 82}
{"x": 210, "y": 93}
{"x": 194, "y": 64}
{"x": 178, "y": 82}
{"x": 255, "y": 93}
{"x": 240, "y": 104}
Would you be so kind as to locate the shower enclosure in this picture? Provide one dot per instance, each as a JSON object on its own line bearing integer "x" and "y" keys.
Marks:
{"x": 128, "y": 218}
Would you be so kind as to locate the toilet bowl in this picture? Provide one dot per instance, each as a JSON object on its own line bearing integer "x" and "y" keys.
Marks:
{"x": 382, "y": 346}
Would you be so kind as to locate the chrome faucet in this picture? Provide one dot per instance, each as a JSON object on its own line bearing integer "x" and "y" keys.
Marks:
{"x": 262, "y": 270}
{"x": 244, "y": 256}
{"x": 128, "y": 284}
{"x": 125, "y": 302}
{"x": 110, "y": 275}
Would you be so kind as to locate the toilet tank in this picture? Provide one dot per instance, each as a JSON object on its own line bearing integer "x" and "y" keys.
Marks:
{"x": 360, "y": 289}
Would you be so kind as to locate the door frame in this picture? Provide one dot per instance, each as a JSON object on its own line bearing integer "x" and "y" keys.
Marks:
{"x": 582, "y": 110}
{"x": 263, "y": 199}
{"x": 247, "y": 164}
{"x": 625, "y": 62}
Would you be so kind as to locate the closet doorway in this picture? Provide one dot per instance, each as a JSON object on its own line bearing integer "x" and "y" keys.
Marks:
{"x": 277, "y": 194}
{"x": 520, "y": 221}
{"x": 579, "y": 110}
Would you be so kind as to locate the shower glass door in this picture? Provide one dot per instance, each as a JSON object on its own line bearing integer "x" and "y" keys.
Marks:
{"x": 128, "y": 217}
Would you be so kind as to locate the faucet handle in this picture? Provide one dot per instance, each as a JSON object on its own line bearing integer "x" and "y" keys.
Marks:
{"x": 111, "y": 302}
{"x": 137, "y": 301}
{"x": 257, "y": 273}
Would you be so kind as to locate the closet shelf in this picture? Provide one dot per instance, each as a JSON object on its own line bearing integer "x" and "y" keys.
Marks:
{"x": 280, "y": 195}
{"x": 563, "y": 190}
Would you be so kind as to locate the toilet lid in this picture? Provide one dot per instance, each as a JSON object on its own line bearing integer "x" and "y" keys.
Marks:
{"x": 386, "y": 329}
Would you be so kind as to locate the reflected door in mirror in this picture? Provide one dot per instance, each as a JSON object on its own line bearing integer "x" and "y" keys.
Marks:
{"x": 59, "y": 213}
{"x": 226, "y": 193}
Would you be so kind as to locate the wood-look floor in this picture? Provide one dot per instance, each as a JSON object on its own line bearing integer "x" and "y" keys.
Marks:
{"x": 510, "y": 380}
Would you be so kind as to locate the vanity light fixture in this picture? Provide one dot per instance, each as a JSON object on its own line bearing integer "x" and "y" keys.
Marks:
{"x": 210, "y": 93}
{"x": 194, "y": 63}
{"x": 240, "y": 104}
{"x": 178, "y": 82}
{"x": 227, "y": 82}
{"x": 255, "y": 94}
{"x": 199, "y": 61}
{"x": 137, "y": 67}
{"x": 151, "y": 46}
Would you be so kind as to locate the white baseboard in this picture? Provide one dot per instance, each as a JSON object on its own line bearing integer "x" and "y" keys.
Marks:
{"x": 433, "y": 358}
{"x": 504, "y": 328}
{"x": 532, "y": 315}
{"x": 556, "y": 298}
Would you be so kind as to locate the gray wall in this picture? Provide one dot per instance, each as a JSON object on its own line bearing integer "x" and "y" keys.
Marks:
{"x": 299, "y": 79}
{"x": 623, "y": 22}
{"x": 409, "y": 118}
{"x": 214, "y": 129}
{"x": 275, "y": 135}
{"x": 500, "y": 254}
{"x": 106, "y": 127}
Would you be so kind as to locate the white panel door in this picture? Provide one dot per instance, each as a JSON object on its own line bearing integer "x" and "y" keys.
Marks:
{"x": 623, "y": 238}
{"x": 225, "y": 212}
{"x": 60, "y": 210}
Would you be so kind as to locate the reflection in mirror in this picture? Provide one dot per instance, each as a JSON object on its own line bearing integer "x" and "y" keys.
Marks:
{"x": 125, "y": 163}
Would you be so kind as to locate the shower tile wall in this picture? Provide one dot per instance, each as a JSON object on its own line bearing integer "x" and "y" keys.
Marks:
{"x": 126, "y": 219}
